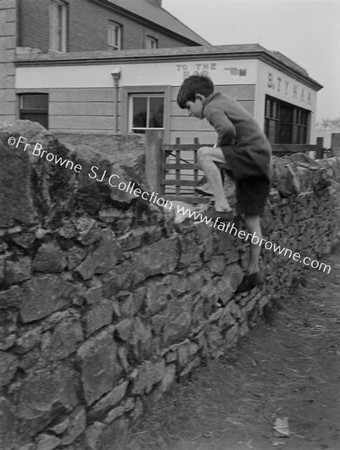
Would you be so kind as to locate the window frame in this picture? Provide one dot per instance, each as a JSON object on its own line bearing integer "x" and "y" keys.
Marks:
{"x": 151, "y": 40}
{"x": 117, "y": 29}
{"x": 32, "y": 111}
{"x": 56, "y": 28}
{"x": 126, "y": 113}
{"x": 148, "y": 96}
{"x": 298, "y": 125}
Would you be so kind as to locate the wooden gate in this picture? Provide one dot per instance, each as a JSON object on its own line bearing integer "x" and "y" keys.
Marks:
{"x": 176, "y": 173}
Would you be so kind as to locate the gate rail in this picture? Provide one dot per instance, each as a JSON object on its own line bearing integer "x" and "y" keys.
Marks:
{"x": 175, "y": 171}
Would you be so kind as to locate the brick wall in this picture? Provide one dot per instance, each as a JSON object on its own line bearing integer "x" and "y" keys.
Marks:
{"x": 34, "y": 24}
{"x": 87, "y": 26}
{"x": 8, "y": 42}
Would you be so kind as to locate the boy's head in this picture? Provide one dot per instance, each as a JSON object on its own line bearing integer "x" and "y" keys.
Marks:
{"x": 194, "y": 89}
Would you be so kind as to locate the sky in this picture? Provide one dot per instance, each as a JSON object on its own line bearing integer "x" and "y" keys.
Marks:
{"x": 306, "y": 31}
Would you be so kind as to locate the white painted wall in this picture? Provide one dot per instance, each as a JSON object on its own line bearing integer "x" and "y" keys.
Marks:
{"x": 137, "y": 74}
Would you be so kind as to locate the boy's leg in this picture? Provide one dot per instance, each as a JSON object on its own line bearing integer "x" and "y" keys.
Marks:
{"x": 252, "y": 278}
{"x": 254, "y": 228}
{"x": 251, "y": 195}
{"x": 207, "y": 159}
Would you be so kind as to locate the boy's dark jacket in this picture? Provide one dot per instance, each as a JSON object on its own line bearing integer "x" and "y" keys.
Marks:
{"x": 236, "y": 127}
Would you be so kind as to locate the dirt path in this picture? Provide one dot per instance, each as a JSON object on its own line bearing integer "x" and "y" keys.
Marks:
{"x": 289, "y": 366}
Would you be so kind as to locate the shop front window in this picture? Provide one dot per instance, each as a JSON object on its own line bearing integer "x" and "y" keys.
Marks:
{"x": 285, "y": 123}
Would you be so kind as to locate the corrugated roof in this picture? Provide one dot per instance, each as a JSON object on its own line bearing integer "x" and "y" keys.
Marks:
{"x": 160, "y": 17}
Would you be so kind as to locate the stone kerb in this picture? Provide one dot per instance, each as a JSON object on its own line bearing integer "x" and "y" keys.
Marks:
{"x": 105, "y": 301}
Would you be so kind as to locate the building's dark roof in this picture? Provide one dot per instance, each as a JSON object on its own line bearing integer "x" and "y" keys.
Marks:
{"x": 160, "y": 17}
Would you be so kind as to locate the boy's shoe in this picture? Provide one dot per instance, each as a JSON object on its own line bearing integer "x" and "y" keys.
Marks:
{"x": 249, "y": 282}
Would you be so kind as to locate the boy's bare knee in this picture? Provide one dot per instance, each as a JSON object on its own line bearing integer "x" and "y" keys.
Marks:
{"x": 203, "y": 153}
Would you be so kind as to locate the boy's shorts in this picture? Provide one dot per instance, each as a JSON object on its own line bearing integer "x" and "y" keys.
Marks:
{"x": 250, "y": 168}
{"x": 251, "y": 195}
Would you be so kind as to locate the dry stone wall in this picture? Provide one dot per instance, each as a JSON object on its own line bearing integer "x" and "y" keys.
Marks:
{"x": 106, "y": 301}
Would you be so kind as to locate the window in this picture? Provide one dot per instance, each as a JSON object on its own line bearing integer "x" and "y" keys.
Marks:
{"x": 285, "y": 123}
{"x": 34, "y": 107}
{"x": 151, "y": 42}
{"x": 115, "y": 36}
{"x": 146, "y": 111}
{"x": 58, "y": 26}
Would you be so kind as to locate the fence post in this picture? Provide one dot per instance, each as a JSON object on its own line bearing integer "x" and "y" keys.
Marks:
{"x": 319, "y": 149}
{"x": 153, "y": 159}
{"x": 335, "y": 144}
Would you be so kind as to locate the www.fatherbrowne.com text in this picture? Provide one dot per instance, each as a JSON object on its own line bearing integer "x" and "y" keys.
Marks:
{"x": 152, "y": 197}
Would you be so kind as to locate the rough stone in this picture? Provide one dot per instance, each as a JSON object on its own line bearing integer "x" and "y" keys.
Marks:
{"x": 47, "y": 442}
{"x": 49, "y": 259}
{"x": 217, "y": 264}
{"x": 43, "y": 296}
{"x": 121, "y": 277}
{"x": 183, "y": 354}
{"x": 75, "y": 256}
{"x": 179, "y": 320}
{"x": 141, "y": 338}
{"x": 168, "y": 378}
{"x": 17, "y": 271}
{"x": 94, "y": 294}
{"x": 108, "y": 401}
{"x": 158, "y": 258}
{"x": 157, "y": 322}
{"x": 103, "y": 259}
{"x": 123, "y": 329}
{"x": 28, "y": 340}
{"x": 97, "y": 317}
{"x": 227, "y": 319}
{"x": 15, "y": 183}
{"x": 129, "y": 404}
{"x": 76, "y": 427}
{"x": 89, "y": 231}
{"x": 139, "y": 409}
{"x": 157, "y": 297}
{"x": 2, "y": 269}
{"x": 224, "y": 290}
{"x": 60, "y": 426}
{"x": 149, "y": 373}
{"x": 189, "y": 253}
{"x": 93, "y": 433}
{"x": 114, "y": 414}
{"x": 8, "y": 425}
{"x": 65, "y": 339}
{"x": 99, "y": 366}
{"x": 231, "y": 336}
{"x": 8, "y": 367}
{"x": 11, "y": 298}
{"x": 44, "y": 395}
{"x": 28, "y": 447}
{"x": 131, "y": 240}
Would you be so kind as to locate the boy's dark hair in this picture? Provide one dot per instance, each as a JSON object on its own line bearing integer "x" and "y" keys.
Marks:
{"x": 196, "y": 84}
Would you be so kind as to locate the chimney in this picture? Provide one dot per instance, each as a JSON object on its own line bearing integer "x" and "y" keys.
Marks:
{"x": 157, "y": 3}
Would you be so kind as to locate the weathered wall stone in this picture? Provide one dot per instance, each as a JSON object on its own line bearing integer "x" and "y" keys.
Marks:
{"x": 106, "y": 300}
{"x": 99, "y": 366}
{"x": 43, "y": 295}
